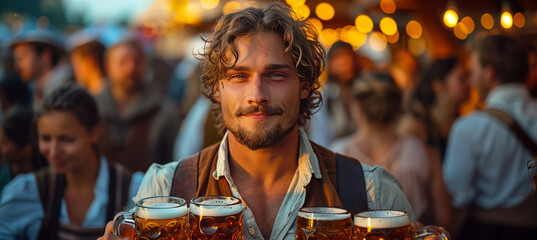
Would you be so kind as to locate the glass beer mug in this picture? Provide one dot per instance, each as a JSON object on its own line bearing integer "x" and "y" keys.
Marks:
{"x": 326, "y": 223}
{"x": 391, "y": 225}
{"x": 154, "y": 218}
{"x": 216, "y": 217}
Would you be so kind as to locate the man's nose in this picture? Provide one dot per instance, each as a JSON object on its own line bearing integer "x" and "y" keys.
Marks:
{"x": 257, "y": 90}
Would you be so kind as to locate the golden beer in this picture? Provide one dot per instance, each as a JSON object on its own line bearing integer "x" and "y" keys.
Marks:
{"x": 162, "y": 218}
{"x": 382, "y": 224}
{"x": 323, "y": 223}
{"x": 216, "y": 218}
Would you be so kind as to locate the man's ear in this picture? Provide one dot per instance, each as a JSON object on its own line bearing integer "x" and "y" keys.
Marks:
{"x": 216, "y": 92}
{"x": 304, "y": 89}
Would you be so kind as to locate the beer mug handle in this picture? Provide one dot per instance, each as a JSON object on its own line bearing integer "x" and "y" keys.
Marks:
{"x": 430, "y": 233}
{"x": 124, "y": 225}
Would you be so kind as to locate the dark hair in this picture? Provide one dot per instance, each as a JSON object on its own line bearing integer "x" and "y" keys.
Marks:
{"x": 17, "y": 125}
{"x": 93, "y": 49}
{"x": 299, "y": 37}
{"x": 74, "y": 99}
{"x": 506, "y": 56}
{"x": 56, "y": 53}
{"x": 436, "y": 71}
{"x": 339, "y": 45}
{"x": 14, "y": 90}
{"x": 380, "y": 97}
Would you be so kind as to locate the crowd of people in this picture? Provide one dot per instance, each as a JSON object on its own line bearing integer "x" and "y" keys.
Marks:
{"x": 86, "y": 130}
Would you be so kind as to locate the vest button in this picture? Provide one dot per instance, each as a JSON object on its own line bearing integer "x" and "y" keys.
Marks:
{"x": 251, "y": 231}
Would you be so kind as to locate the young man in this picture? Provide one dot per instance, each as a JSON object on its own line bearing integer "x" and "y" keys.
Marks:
{"x": 261, "y": 69}
{"x": 485, "y": 169}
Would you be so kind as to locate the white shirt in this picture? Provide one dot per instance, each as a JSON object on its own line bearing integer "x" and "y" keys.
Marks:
{"x": 383, "y": 189}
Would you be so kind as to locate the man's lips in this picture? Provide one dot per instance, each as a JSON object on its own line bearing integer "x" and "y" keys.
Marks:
{"x": 258, "y": 116}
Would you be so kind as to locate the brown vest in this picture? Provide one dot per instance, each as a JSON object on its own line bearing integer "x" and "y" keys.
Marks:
{"x": 319, "y": 192}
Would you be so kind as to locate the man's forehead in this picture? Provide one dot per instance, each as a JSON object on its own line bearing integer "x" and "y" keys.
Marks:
{"x": 264, "y": 47}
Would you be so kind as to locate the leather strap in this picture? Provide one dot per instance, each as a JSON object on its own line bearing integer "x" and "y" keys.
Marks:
{"x": 185, "y": 182}
{"x": 51, "y": 188}
{"x": 514, "y": 127}
{"x": 351, "y": 184}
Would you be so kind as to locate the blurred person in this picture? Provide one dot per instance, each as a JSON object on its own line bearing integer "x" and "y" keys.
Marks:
{"x": 139, "y": 126}
{"x": 376, "y": 107}
{"x": 87, "y": 63}
{"x": 16, "y": 147}
{"x": 435, "y": 102}
{"x": 260, "y": 72}
{"x": 14, "y": 92}
{"x": 80, "y": 191}
{"x": 40, "y": 61}
{"x": 485, "y": 169}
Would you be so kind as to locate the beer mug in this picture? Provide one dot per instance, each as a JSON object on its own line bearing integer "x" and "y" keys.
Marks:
{"x": 323, "y": 223}
{"x": 154, "y": 218}
{"x": 391, "y": 225}
{"x": 216, "y": 217}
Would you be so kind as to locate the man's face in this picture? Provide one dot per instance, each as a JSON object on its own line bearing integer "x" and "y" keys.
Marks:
{"x": 342, "y": 65}
{"x": 478, "y": 76}
{"x": 27, "y": 62}
{"x": 261, "y": 94}
{"x": 125, "y": 67}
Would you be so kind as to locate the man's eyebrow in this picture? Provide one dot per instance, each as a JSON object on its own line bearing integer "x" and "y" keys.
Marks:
{"x": 239, "y": 68}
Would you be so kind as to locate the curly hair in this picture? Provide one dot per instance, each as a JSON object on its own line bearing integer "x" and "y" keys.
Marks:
{"x": 300, "y": 39}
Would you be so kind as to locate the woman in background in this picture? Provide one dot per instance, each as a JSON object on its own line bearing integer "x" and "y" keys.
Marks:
{"x": 376, "y": 108}
{"x": 80, "y": 192}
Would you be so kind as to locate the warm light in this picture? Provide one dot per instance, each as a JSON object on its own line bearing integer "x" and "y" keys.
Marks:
{"x": 416, "y": 46}
{"x": 469, "y": 24}
{"x": 295, "y": 3}
{"x": 302, "y": 11}
{"x": 414, "y": 29}
{"x": 325, "y": 11}
{"x": 519, "y": 20}
{"x": 393, "y": 38}
{"x": 316, "y": 23}
{"x": 17, "y": 27}
{"x": 388, "y": 26}
{"x": 364, "y": 23}
{"x": 42, "y": 22}
{"x": 387, "y": 6}
{"x": 487, "y": 21}
{"x": 377, "y": 41}
{"x": 356, "y": 38}
{"x": 192, "y": 14}
{"x": 328, "y": 36}
{"x": 231, "y": 7}
{"x": 451, "y": 18}
{"x": 506, "y": 20}
{"x": 460, "y": 31}
{"x": 209, "y": 4}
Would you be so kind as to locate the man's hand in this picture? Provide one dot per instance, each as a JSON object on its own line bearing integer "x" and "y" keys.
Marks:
{"x": 108, "y": 235}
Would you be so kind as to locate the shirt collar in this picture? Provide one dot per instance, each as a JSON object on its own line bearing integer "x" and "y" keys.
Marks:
{"x": 308, "y": 163}
{"x": 504, "y": 92}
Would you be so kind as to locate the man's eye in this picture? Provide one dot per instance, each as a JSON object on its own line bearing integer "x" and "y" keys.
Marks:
{"x": 276, "y": 76}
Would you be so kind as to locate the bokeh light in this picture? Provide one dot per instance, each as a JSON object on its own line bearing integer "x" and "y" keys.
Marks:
{"x": 356, "y": 38}
{"x": 231, "y": 7}
{"x": 506, "y": 20}
{"x": 377, "y": 41}
{"x": 328, "y": 36}
{"x": 42, "y": 22}
{"x": 325, "y": 11}
{"x": 393, "y": 38}
{"x": 316, "y": 23}
{"x": 417, "y": 46}
{"x": 519, "y": 20}
{"x": 364, "y": 23}
{"x": 302, "y": 11}
{"x": 469, "y": 24}
{"x": 295, "y": 3}
{"x": 388, "y": 6}
{"x": 451, "y": 18}
{"x": 388, "y": 26}
{"x": 209, "y": 4}
{"x": 487, "y": 21}
{"x": 460, "y": 31}
{"x": 414, "y": 29}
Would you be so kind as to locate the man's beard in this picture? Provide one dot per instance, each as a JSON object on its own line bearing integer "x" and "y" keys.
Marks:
{"x": 260, "y": 137}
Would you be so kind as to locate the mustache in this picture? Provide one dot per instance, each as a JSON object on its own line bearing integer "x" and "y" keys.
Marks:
{"x": 263, "y": 109}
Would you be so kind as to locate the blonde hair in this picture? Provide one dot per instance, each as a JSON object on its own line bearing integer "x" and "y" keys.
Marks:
{"x": 380, "y": 97}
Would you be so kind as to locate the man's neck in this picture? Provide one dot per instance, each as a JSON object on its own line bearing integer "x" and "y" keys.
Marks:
{"x": 266, "y": 165}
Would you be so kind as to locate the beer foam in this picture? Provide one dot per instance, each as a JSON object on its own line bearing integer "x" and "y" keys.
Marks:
{"x": 216, "y": 207}
{"x": 164, "y": 210}
{"x": 324, "y": 213}
{"x": 381, "y": 219}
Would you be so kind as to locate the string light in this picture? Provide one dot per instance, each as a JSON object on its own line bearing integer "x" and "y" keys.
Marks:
{"x": 414, "y": 29}
{"x": 519, "y": 20}
{"x": 469, "y": 24}
{"x": 388, "y": 26}
{"x": 506, "y": 20}
{"x": 325, "y": 11}
{"x": 487, "y": 21}
{"x": 364, "y": 23}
